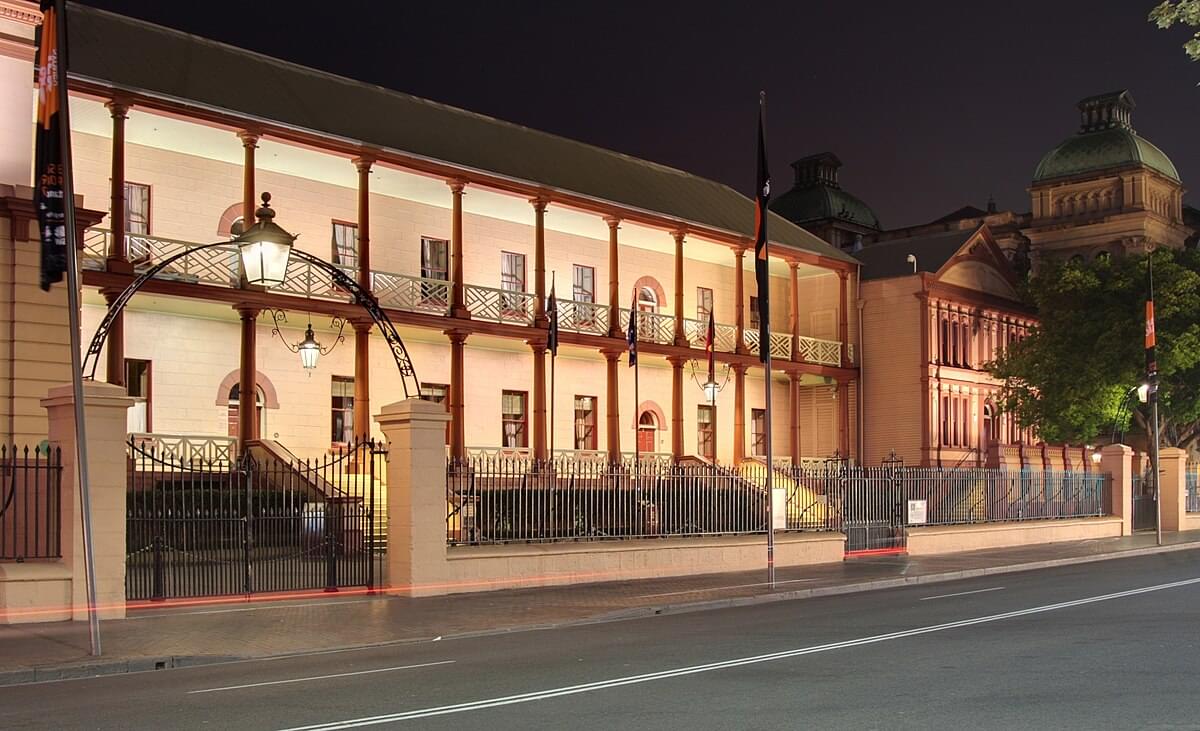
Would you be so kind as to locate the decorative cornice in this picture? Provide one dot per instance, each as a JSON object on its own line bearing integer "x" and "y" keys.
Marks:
{"x": 22, "y": 12}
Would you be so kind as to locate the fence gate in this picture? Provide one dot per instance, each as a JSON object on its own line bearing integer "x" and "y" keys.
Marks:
{"x": 1145, "y": 502}
{"x": 205, "y": 523}
{"x": 873, "y": 516}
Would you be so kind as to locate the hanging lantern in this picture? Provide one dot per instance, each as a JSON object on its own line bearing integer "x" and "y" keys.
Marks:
{"x": 265, "y": 248}
{"x": 309, "y": 349}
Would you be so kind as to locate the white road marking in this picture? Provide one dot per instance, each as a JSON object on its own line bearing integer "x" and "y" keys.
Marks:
{"x": 709, "y": 667}
{"x": 961, "y": 593}
{"x": 319, "y": 677}
{"x": 719, "y": 588}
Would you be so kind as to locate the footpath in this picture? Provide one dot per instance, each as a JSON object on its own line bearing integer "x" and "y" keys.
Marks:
{"x": 236, "y": 629}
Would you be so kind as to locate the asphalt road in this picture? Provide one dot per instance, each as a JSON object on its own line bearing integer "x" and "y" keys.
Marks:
{"x": 1114, "y": 644}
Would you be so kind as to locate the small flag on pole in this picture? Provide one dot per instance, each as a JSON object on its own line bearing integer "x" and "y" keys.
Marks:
{"x": 1151, "y": 358}
{"x": 631, "y": 336}
{"x": 762, "y": 194}
{"x": 48, "y": 196}
{"x": 710, "y": 338}
{"x": 552, "y": 315}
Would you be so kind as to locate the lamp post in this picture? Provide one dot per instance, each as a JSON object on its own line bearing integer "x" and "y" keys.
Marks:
{"x": 265, "y": 248}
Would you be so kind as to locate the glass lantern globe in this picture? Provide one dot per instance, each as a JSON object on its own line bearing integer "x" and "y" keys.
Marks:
{"x": 265, "y": 248}
{"x": 309, "y": 349}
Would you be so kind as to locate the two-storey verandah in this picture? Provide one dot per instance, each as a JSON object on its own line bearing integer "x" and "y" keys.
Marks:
{"x": 653, "y": 223}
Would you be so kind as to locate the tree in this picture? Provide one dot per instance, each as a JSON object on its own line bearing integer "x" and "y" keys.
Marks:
{"x": 1072, "y": 379}
{"x": 1186, "y": 12}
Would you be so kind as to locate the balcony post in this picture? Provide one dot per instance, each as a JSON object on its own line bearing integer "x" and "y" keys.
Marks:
{"x": 117, "y": 250}
{"x": 115, "y": 344}
{"x": 794, "y": 417}
{"x": 739, "y": 412}
{"x": 739, "y": 295}
{"x": 539, "y": 262}
{"x": 794, "y": 320}
{"x": 458, "y": 444}
{"x": 677, "y": 407}
{"x": 539, "y": 399}
{"x": 362, "y": 379}
{"x": 680, "y": 336}
{"x": 843, "y": 394}
{"x": 843, "y": 318}
{"x": 363, "y": 165}
{"x": 458, "y": 307}
{"x": 247, "y": 381}
{"x": 614, "y": 280}
{"x": 612, "y": 409}
{"x": 249, "y": 145}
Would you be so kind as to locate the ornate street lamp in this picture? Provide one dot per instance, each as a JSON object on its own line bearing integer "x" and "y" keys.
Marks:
{"x": 309, "y": 349}
{"x": 265, "y": 248}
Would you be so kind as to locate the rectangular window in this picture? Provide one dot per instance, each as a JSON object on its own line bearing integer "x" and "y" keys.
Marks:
{"x": 754, "y": 324}
{"x": 585, "y": 422}
{"x": 137, "y": 381}
{"x": 137, "y": 209}
{"x": 345, "y": 244}
{"x": 758, "y": 432}
{"x": 435, "y": 259}
{"x": 342, "y": 410}
{"x": 513, "y": 415}
{"x": 704, "y": 304}
{"x": 512, "y": 279}
{"x": 438, "y": 393}
{"x": 584, "y": 287}
{"x": 944, "y": 342}
{"x": 945, "y": 421}
{"x": 706, "y": 432}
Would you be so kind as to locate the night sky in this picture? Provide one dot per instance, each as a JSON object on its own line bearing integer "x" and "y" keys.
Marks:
{"x": 930, "y": 105}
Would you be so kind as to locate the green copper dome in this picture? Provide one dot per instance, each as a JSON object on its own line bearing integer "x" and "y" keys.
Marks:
{"x": 1105, "y": 141}
{"x": 817, "y": 195}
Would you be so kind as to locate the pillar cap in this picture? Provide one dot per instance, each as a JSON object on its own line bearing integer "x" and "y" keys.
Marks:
{"x": 410, "y": 410}
{"x": 1116, "y": 450}
{"x": 94, "y": 392}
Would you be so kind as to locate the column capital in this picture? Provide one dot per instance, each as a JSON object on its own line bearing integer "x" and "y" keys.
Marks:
{"x": 247, "y": 310}
{"x": 118, "y": 107}
{"x": 362, "y": 324}
{"x": 612, "y": 353}
{"x": 613, "y": 222}
{"x": 363, "y": 163}
{"x": 537, "y": 344}
{"x": 249, "y": 138}
{"x": 678, "y": 361}
{"x": 456, "y": 186}
{"x": 739, "y": 368}
{"x": 539, "y": 203}
{"x": 679, "y": 234}
{"x": 843, "y": 274}
{"x": 457, "y": 336}
{"x": 793, "y": 265}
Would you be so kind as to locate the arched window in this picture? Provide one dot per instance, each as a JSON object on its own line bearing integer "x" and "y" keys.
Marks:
{"x": 647, "y": 432}
{"x": 234, "y": 396}
{"x": 647, "y": 300}
{"x": 987, "y": 433}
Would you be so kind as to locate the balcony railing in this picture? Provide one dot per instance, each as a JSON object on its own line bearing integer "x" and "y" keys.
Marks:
{"x": 821, "y": 352}
{"x": 653, "y": 327}
{"x": 221, "y": 267}
{"x": 499, "y": 305}
{"x": 582, "y": 317}
{"x": 414, "y": 294}
{"x": 187, "y": 448}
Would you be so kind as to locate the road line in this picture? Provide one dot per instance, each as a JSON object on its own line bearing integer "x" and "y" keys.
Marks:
{"x": 319, "y": 677}
{"x": 709, "y": 667}
{"x": 960, "y": 593}
{"x": 719, "y": 588}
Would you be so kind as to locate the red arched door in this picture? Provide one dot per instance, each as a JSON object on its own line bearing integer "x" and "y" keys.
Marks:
{"x": 647, "y": 436}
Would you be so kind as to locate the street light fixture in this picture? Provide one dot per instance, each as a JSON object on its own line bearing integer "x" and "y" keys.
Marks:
{"x": 1143, "y": 392}
{"x": 309, "y": 349}
{"x": 265, "y": 248}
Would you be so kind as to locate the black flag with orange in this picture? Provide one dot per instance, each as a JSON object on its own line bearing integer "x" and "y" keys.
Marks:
{"x": 48, "y": 196}
{"x": 762, "y": 195}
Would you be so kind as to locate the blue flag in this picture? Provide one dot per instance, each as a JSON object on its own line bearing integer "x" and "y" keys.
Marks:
{"x": 631, "y": 336}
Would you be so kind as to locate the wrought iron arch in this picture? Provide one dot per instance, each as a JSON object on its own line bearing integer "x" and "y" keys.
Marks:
{"x": 359, "y": 296}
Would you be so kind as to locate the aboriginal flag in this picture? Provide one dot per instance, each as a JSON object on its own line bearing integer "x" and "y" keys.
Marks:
{"x": 762, "y": 195}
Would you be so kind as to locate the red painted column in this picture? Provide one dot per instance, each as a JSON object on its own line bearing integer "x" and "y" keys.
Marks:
{"x": 118, "y": 255}
{"x": 794, "y": 320}
{"x": 739, "y": 413}
{"x": 362, "y": 328}
{"x": 843, "y": 317}
{"x": 612, "y": 408}
{"x": 539, "y": 399}
{"x": 680, "y": 336}
{"x": 677, "y": 407}
{"x": 739, "y": 294}
{"x": 614, "y": 280}
{"x": 247, "y": 381}
{"x": 458, "y": 446}
{"x": 539, "y": 262}
{"x": 249, "y": 145}
{"x": 458, "y": 307}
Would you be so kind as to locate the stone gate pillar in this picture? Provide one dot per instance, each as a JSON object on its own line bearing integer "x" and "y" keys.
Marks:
{"x": 1117, "y": 461}
{"x": 104, "y": 407}
{"x": 415, "y": 431}
{"x": 1172, "y": 471}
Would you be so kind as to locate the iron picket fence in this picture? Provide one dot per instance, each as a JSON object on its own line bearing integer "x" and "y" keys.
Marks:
{"x": 267, "y": 522}
{"x": 30, "y": 503}
{"x": 1000, "y": 496}
{"x": 1192, "y": 478}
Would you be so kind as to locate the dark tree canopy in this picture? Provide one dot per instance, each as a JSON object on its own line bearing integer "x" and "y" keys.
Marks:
{"x": 1070, "y": 377}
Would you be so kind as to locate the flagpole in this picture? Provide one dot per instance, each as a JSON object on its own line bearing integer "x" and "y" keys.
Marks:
{"x": 1152, "y": 377}
{"x": 81, "y": 453}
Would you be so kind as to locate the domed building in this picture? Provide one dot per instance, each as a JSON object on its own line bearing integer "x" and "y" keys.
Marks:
{"x": 1105, "y": 190}
{"x": 817, "y": 203}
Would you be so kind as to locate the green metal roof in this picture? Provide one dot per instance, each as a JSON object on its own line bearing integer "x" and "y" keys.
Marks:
{"x": 815, "y": 202}
{"x": 137, "y": 56}
{"x": 1105, "y": 141}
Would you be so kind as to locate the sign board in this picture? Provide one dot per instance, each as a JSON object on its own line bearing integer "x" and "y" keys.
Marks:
{"x": 779, "y": 508}
{"x": 917, "y": 512}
